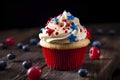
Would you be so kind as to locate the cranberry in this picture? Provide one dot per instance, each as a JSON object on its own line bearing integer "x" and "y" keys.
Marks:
{"x": 34, "y": 73}
{"x": 10, "y": 41}
{"x": 89, "y": 32}
{"x": 89, "y": 35}
{"x": 94, "y": 53}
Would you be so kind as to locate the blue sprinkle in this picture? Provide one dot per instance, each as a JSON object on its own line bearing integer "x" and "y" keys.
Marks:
{"x": 74, "y": 27}
{"x": 71, "y": 17}
{"x": 72, "y": 38}
{"x": 54, "y": 20}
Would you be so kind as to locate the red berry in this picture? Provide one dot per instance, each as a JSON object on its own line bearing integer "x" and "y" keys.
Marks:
{"x": 89, "y": 30}
{"x": 34, "y": 73}
{"x": 94, "y": 53}
{"x": 10, "y": 41}
{"x": 89, "y": 35}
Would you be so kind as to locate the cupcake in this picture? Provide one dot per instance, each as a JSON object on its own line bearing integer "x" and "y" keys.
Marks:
{"x": 64, "y": 41}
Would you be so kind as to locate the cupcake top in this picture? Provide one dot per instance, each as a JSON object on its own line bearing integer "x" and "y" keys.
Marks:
{"x": 62, "y": 29}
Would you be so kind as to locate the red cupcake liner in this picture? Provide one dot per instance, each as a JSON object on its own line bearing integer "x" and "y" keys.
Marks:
{"x": 64, "y": 59}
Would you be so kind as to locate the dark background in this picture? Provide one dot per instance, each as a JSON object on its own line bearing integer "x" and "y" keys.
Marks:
{"x": 21, "y": 14}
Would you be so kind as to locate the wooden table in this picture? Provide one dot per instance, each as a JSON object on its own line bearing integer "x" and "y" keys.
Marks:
{"x": 98, "y": 69}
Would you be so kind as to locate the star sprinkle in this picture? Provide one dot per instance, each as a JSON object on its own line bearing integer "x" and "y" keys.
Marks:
{"x": 72, "y": 38}
{"x": 71, "y": 17}
{"x": 74, "y": 27}
{"x": 54, "y": 20}
{"x": 49, "y": 31}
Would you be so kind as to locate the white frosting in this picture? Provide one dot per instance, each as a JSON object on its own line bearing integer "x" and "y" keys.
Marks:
{"x": 64, "y": 28}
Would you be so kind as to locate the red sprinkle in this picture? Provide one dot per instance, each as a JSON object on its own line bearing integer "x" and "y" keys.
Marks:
{"x": 66, "y": 31}
{"x": 49, "y": 31}
{"x": 80, "y": 30}
{"x": 63, "y": 28}
{"x": 68, "y": 25}
{"x": 61, "y": 25}
{"x": 56, "y": 33}
{"x": 47, "y": 27}
{"x": 64, "y": 20}
{"x": 68, "y": 28}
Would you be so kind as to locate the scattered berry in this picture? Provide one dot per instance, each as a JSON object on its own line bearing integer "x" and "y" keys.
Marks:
{"x": 111, "y": 32}
{"x": 26, "y": 47}
{"x": 34, "y": 73}
{"x": 10, "y": 56}
{"x": 96, "y": 44}
{"x": 38, "y": 44}
{"x": 34, "y": 41}
{"x": 10, "y": 41}
{"x": 88, "y": 35}
{"x": 3, "y": 65}
{"x": 27, "y": 64}
{"x": 94, "y": 53}
{"x": 99, "y": 31}
{"x": 89, "y": 30}
{"x": 82, "y": 72}
{"x": 20, "y": 45}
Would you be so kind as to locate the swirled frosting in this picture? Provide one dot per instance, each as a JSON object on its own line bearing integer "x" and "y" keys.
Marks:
{"x": 65, "y": 28}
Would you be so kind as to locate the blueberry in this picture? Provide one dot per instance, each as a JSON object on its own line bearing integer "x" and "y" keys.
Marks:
{"x": 82, "y": 72}
{"x": 3, "y": 65}
{"x": 19, "y": 45}
{"x": 38, "y": 44}
{"x": 27, "y": 64}
{"x": 33, "y": 41}
{"x": 99, "y": 31}
{"x": 96, "y": 44}
{"x": 111, "y": 32}
{"x": 10, "y": 56}
{"x": 26, "y": 47}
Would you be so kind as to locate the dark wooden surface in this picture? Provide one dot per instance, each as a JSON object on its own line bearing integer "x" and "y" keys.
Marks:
{"x": 98, "y": 69}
